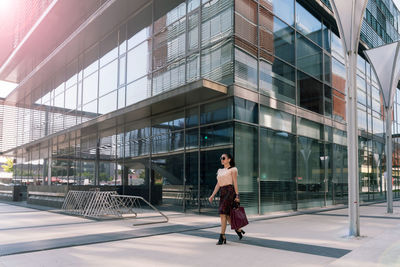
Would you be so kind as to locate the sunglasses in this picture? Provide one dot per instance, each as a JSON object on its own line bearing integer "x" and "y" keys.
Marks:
{"x": 222, "y": 158}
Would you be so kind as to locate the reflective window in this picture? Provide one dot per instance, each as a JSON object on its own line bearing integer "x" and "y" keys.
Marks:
{"x": 108, "y": 103}
{"x": 216, "y": 111}
{"x": 216, "y": 26}
{"x": 246, "y": 110}
{"x": 277, "y": 79}
{"x": 192, "y": 117}
{"x": 281, "y": 44}
{"x": 327, "y": 38}
{"x": 193, "y": 4}
{"x": 193, "y": 31}
{"x": 327, "y": 68}
{"x": 339, "y": 106}
{"x": 137, "y": 91}
{"x": 276, "y": 119}
{"x": 308, "y": 25}
{"x": 192, "y": 139}
{"x": 169, "y": 77}
{"x": 108, "y": 78}
{"x": 216, "y": 135}
{"x": 193, "y": 68}
{"x": 90, "y": 87}
{"x": 311, "y": 170}
{"x": 138, "y": 62}
{"x": 310, "y": 93}
{"x": 216, "y": 63}
{"x": 122, "y": 70}
{"x": 337, "y": 48}
{"x": 245, "y": 69}
{"x": 309, "y": 128}
{"x": 309, "y": 57}
{"x": 284, "y": 9}
{"x": 338, "y": 75}
{"x": 70, "y": 97}
{"x": 277, "y": 170}
{"x": 246, "y": 155}
{"x": 362, "y": 119}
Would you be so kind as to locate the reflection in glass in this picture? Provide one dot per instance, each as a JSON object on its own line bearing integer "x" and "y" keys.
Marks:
{"x": 308, "y": 25}
{"x": 108, "y": 78}
{"x": 137, "y": 91}
{"x": 281, "y": 44}
{"x": 276, "y": 119}
{"x": 90, "y": 88}
{"x": 277, "y": 170}
{"x": 245, "y": 70}
{"x": 310, "y": 173}
{"x": 246, "y": 151}
{"x": 216, "y": 111}
{"x": 309, "y": 57}
{"x": 277, "y": 79}
{"x": 246, "y": 110}
{"x": 216, "y": 135}
{"x": 138, "y": 62}
{"x": 108, "y": 103}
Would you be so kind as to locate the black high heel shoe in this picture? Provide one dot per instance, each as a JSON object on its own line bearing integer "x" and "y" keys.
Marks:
{"x": 222, "y": 240}
{"x": 240, "y": 234}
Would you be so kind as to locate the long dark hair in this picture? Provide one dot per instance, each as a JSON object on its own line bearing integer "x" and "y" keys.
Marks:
{"x": 232, "y": 162}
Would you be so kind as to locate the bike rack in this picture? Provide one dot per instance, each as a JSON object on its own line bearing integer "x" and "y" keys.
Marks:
{"x": 99, "y": 204}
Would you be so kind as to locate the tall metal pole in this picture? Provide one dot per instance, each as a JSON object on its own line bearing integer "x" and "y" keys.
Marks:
{"x": 388, "y": 139}
{"x": 352, "y": 145}
{"x": 348, "y": 15}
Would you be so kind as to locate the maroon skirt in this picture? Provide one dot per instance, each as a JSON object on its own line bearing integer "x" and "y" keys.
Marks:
{"x": 227, "y": 196}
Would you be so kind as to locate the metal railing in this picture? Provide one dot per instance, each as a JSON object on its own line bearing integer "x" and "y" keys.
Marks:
{"x": 107, "y": 204}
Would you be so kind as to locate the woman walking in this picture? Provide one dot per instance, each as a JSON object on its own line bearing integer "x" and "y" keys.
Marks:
{"x": 227, "y": 183}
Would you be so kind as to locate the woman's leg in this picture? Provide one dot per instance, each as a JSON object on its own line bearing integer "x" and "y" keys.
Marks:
{"x": 223, "y": 223}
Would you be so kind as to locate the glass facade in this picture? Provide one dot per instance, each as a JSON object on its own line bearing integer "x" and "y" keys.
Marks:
{"x": 283, "y": 120}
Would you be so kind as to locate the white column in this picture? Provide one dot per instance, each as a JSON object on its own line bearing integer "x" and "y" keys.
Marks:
{"x": 352, "y": 145}
{"x": 388, "y": 151}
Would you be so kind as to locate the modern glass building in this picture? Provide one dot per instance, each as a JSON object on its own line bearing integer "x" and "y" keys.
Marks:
{"x": 145, "y": 96}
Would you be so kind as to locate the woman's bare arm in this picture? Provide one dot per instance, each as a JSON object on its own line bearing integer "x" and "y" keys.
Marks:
{"x": 214, "y": 193}
{"x": 235, "y": 183}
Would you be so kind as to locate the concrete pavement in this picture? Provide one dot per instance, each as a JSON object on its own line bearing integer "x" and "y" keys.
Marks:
{"x": 31, "y": 237}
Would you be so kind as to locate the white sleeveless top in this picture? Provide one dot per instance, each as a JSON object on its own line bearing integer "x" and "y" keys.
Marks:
{"x": 225, "y": 176}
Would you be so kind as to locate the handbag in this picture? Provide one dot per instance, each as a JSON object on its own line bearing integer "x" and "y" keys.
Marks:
{"x": 238, "y": 217}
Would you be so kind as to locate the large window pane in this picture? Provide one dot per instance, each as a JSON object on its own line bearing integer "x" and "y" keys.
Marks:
{"x": 276, "y": 119}
{"x": 216, "y": 21}
{"x": 90, "y": 87}
{"x": 310, "y": 173}
{"x": 246, "y": 110}
{"x": 277, "y": 170}
{"x": 137, "y": 91}
{"x": 108, "y": 78}
{"x": 216, "y": 135}
{"x": 108, "y": 103}
{"x": 138, "y": 62}
{"x": 277, "y": 38}
{"x": 245, "y": 69}
{"x": 309, "y": 57}
{"x": 307, "y": 24}
{"x": 246, "y": 153}
{"x": 216, "y": 63}
{"x": 277, "y": 79}
{"x": 310, "y": 93}
{"x": 284, "y": 9}
{"x": 216, "y": 111}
